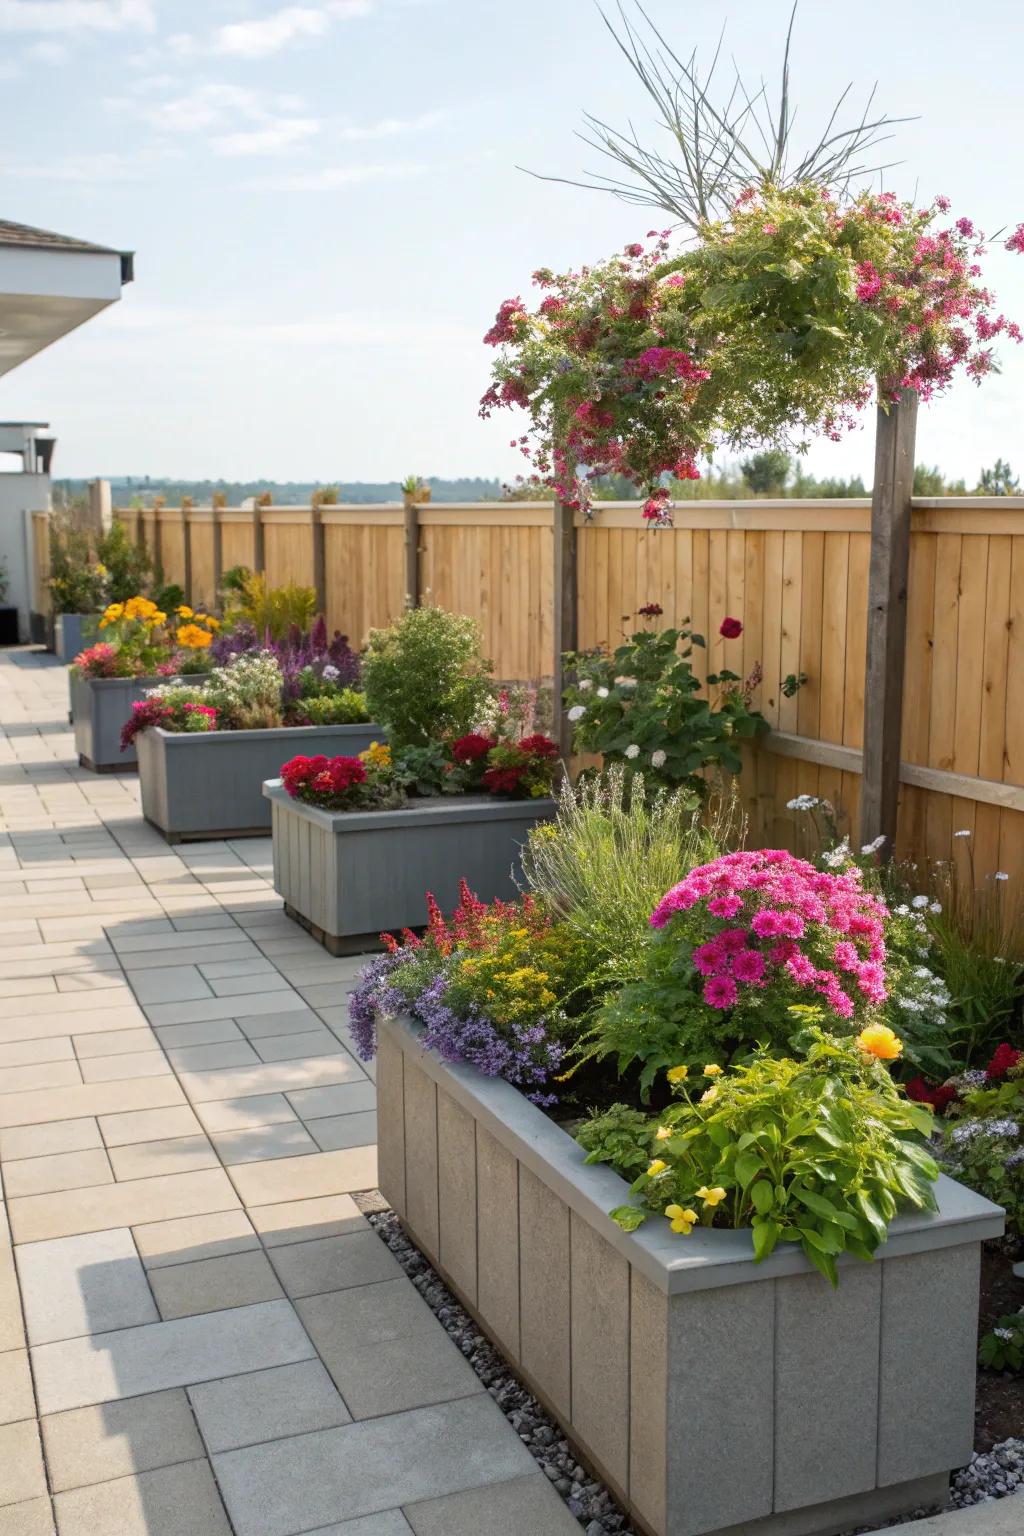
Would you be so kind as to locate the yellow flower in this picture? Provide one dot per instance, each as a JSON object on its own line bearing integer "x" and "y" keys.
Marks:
{"x": 682, "y": 1220}
{"x": 211, "y": 621}
{"x": 712, "y": 1071}
{"x": 156, "y": 618}
{"x": 879, "y": 1040}
{"x": 139, "y": 608}
{"x": 184, "y": 612}
{"x": 658, "y": 1166}
{"x": 710, "y": 1096}
{"x": 194, "y": 638}
{"x": 711, "y": 1197}
{"x": 101, "y": 569}
{"x": 377, "y": 754}
{"x": 662, "y": 1133}
{"x": 677, "y": 1074}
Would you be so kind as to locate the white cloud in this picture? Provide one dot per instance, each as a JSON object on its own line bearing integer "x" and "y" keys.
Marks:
{"x": 390, "y": 127}
{"x": 77, "y": 16}
{"x": 331, "y": 178}
{"x": 257, "y": 38}
{"x": 270, "y": 140}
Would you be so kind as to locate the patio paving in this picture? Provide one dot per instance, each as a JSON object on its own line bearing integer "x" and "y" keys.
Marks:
{"x": 199, "y": 1331}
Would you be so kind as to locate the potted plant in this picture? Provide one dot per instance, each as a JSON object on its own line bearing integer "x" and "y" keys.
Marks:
{"x": 8, "y": 613}
{"x": 140, "y": 645}
{"x": 662, "y": 1280}
{"x": 464, "y": 779}
{"x": 204, "y": 752}
{"x": 415, "y": 490}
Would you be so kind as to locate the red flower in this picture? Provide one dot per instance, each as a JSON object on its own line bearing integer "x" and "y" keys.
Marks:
{"x": 651, "y": 611}
{"x": 926, "y": 1093}
{"x": 502, "y": 781}
{"x": 730, "y": 629}
{"x": 469, "y": 749}
{"x": 1004, "y": 1058}
{"x": 539, "y": 745}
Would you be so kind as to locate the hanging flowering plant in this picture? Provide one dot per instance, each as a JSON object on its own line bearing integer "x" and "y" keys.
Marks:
{"x": 777, "y": 323}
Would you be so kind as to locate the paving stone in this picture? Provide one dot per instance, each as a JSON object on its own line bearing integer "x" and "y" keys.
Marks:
{"x": 277, "y": 1077}
{"x": 213, "y": 1285}
{"x": 237, "y": 1008}
{"x": 115, "y": 1042}
{"x": 242, "y": 986}
{"x": 63, "y": 1170}
{"x": 180, "y": 1154}
{"x": 167, "y": 984}
{"x": 201, "y": 1058}
{"x": 130, "y": 1361}
{"x": 16, "y": 1399}
{"x": 263, "y": 1143}
{"x": 31, "y": 1052}
{"x": 108, "y": 1069}
{"x": 306, "y": 1483}
{"x": 88, "y": 1099}
{"x": 37, "y": 1217}
{"x": 211, "y": 1032}
{"x": 267, "y": 1405}
{"x": 146, "y": 1125}
{"x": 296, "y": 1021}
{"x": 194, "y": 1237}
{"x": 339, "y": 1131}
{"x": 81, "y": 1285}
{"x": 391, "y": 1523}
{"x": 48, "y": 1140}
{"x": 169, "y": 1501}
{"x": 525, "y": 1506}
{"x": 245, "y": 1114}
{"x": 96, "y": 1444}
{"x": 296, "y": 1221}
{"x": 334, "y": 1263}
{"x": 44, "y": 1074}
{"x": 382, "y": 1345}
{"x": 341, "y": 1099}
{"x": 32, "y": 1518}
{"x": 21, "y": 1463}
{"x": 303, "y": 1178}
{"x": 317, "y": 1042}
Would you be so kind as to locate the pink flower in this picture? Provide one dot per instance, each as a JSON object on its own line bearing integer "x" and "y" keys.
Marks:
{"x": 801, "y": 970}
{"x": 709, "y": 959}
{"x": 766, "y": 924}
{"x": 1016, "y": 240}
{"x": 748, "y": 966}
{"x": 846, "y": 956}
{"x": 726, "y": 905}
{"x": 720, "y": 992}
{"x": 791, "y": 925}
{"x": 732, "y": 940}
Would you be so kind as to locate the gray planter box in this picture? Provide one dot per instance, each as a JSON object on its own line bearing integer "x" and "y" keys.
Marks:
{"x": 101, "y": 706}
{"x": 712, "y": 1394}
{"x": 347, "y": 876}
{"x": 210, "y": 784}
{"x": 73, "y": 632}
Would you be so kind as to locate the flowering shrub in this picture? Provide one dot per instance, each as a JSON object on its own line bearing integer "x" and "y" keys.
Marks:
{"x": 983, "y": 1143}
{"x": 343, "y": 783}
{"x": 490, "y": 985}
{"x": 1002, "y": 1348}
{"x": 822, "y": 1151}
{"x": 643, "y": 707}
{"x": 140, "y": 637}
{"x": 103, "y": 660}
{"x": 735, "y": 945}
{"x": 774, "y": 323}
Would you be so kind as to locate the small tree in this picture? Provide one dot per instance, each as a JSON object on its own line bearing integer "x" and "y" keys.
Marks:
{"x": 1000, "y": 480}
{"x": 768, "y": 472}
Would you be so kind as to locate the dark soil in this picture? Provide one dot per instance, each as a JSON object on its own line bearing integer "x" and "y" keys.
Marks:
{"x": 999, "y": 1412}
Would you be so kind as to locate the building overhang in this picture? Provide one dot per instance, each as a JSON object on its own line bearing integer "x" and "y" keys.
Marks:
{"x": 47, "y": 290}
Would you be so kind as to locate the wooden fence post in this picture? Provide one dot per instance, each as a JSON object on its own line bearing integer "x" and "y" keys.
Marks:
{"x": 259, "y": 557}
{"x": 186, "y": 555}
{"x": 218, "y": 551}
{"x": 412, "y": 549}
{"x": 566, "y": 614}
{"x": 319, "y": 561}
{"x": 887, "y": 619}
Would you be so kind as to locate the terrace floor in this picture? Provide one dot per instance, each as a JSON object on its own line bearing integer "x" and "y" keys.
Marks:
{"x": 199, "y": 1332}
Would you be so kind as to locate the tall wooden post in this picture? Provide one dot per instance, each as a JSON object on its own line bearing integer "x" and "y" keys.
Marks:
{"x": 410, "y": 502}
{"x": 218, "y": 551}
{"x": 186, "y": 555}
{"x": 887, "y": 620}
{"x": 566, "y": 625}
{"x": 319, "y": 561}
{"x": 259, "y": 557}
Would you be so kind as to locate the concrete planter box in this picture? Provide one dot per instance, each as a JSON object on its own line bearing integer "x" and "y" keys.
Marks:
{"x": 73, "y": 632}
{"x": 211, "y": 784}
{"x": 712, "y": 1394}
{"x": 347, "y": 876}
{"x": 100, "y": 706}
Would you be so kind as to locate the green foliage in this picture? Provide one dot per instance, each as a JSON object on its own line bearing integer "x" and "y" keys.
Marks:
{"x": 421, "y": 770}
{"x": 767, "y": 472}
{"x": 77, "y": 585}
{"x": 821, "y": 1151}
{"x": 984, "y": 1145}
{"x": 615, "y": 848}
{"x": 269, "y": 611}
{"x": 1002, "y": 1348}
{"x": 346, "y": 707}
{"x": 247, "y": 692}
{"x": 425, "y": 677}
{"x": 5, "y": 579}
{"x": 234, "y": 580}
{"x": 1000, "y": 480}
{"x": 978, "y": 949}
{"x": 127, "y": 567}
{"x": 643, "y": 707}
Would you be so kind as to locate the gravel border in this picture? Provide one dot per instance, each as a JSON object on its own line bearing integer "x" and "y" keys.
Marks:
{"x": 989, "y": 1475}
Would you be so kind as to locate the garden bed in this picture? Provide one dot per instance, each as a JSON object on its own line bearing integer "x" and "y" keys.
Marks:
{"x": 202, "y": 784}
{"x": 349, "y": 875}
{"x": 707, "y": 1391}
{"x": 100, "y": 706}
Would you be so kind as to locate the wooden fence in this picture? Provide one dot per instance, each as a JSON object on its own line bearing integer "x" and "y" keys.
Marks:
{"x": 794, "y": 572}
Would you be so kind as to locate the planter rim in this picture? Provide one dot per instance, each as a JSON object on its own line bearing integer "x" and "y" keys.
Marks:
{"x": 110, "y": 682}
{"x": 286, "y": 732}
{"x": 427, "y": 812}
{"x": 709, "y": 1257}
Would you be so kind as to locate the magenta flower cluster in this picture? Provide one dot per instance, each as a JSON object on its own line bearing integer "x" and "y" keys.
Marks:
{"x": 772, "y": 918}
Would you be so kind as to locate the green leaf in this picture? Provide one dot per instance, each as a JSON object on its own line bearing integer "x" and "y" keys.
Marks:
{"x": 628, "y": 1217}
{"x": 766, "y": 1235}
{"x": 825, "y": 1262}
{"x": 763, "y": 1196}
{"x": 748, "y": 1166}
{"x": 816, "y": 1203}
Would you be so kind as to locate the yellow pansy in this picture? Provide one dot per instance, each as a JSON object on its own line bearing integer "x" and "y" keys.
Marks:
{"x": 662, "y": 1133}
{"x": 710, "y": 1096}
{"x": 658, "y": 1166}
{"x": 682, "y": 1220}
{"x": 711, "y": 1197}
{"x": 711, "y": 1070}
{"x": 677, "y": 1074}
{"x": 880, "y": 1041}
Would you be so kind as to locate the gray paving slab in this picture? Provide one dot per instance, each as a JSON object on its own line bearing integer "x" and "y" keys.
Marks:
{"x": 264, "y": 1143}
{"x": 267, "y": 1405}
{"x": 525, "y": 1506}
{"x": 213, "y": 1285}
{"x": 120, "y": 1439}
{"x": 337, "y": 1131}
{"x": 190, "y": 1238}
{"x": 170, "y": 1501}
{"x": 83, "y": 1285}
{"x": 333, "y": 1263}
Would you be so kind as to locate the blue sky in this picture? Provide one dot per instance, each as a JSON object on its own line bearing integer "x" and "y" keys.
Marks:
{"x": 326, "y": 210}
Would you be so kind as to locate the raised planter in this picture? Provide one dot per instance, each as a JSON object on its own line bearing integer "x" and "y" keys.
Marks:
{"x": 347, "y": 876}
{"x": 710, "y": 1393}
{"x": 210, "y": 783}
{"x": 73, "y": 632}
{"x": 100, "y": 706}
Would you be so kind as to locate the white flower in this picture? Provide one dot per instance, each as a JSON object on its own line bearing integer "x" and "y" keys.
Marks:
{"x": 936, "y": 907}
{"x": 577, "y": 712}
{"x": 331, "y": 673}
{"x": 903, "y": 910}
{"x": 1001, "y": 875}
{"x": 632, "y": 751}
{"x": 803, "y": 803}
{"x": 584, "y": 685}
{"x": 963, "y": 833}
{"x": 602, "y": 693}
{"x": 920, "y": 902}
{"x": 874, "y": 846}
{"x": 658, "y": 759}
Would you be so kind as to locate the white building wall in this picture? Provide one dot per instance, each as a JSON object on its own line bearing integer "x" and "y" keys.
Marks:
{"x": 20, "y": 496}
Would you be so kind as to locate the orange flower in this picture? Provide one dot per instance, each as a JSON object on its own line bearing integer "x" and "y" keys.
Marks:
{"x": 880, "y": 1041}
